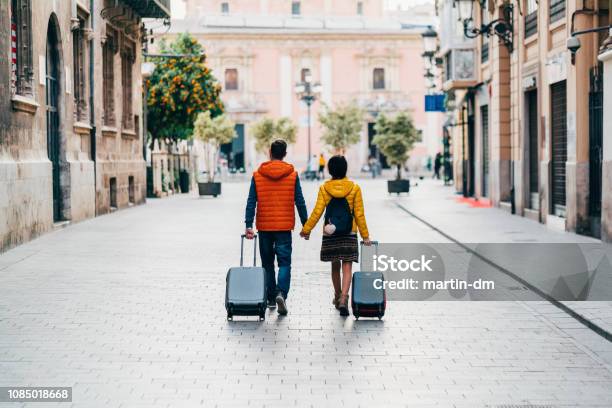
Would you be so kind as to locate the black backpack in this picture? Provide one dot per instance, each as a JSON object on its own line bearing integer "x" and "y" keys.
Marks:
{"x": 338, "y": 212}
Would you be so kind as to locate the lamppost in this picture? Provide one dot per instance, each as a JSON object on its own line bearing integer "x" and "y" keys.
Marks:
{"x": 308, "y": 92}
{"x": 502, "y": 27}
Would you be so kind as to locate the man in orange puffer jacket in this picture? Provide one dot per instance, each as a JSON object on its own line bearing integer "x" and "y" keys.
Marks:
{"x": 275, "y": 190}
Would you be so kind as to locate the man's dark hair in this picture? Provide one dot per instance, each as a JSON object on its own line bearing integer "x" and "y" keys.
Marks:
{"x": 278, "y": 149}
{"x": 337, "y": 166}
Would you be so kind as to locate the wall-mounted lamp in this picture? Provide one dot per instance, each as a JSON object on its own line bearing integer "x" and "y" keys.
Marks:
{"x": 501, "y": 27}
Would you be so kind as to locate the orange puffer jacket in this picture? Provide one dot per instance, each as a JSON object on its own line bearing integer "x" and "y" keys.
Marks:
{"x": 275, "y": 186}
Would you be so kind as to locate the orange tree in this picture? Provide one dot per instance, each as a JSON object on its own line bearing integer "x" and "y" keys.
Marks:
{"x": 180, "y": 88}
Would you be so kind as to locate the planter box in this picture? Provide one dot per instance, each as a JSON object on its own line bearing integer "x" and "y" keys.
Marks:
{"x": 184, "y": 181}
{"x": 398, "y": 186}
{"x": 209, "y": 189}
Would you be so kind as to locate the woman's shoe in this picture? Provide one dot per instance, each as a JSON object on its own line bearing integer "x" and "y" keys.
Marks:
{"x": 336, "y": 300}
{"x": 343, "y": 306}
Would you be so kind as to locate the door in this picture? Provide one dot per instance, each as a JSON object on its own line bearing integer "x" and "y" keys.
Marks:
{"x": 373, "y": 149}
{"x": 595, "y": 140}
{"x": 53, "y": 125}
{"x": 471, "y": 153}
{"x": 558, "y": 99}
{"x": 484, "y": 117}
{"x": 233, "y": 151}
{"x": 532, "y": 147}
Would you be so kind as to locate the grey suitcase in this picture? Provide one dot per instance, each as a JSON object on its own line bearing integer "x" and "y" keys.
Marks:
{"x": 245, "y": 288}
{"x": 366, "y": 300}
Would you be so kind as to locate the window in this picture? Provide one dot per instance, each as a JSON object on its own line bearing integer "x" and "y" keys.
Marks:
{"x": 295, "y": 8}
{"x": 113, "y": 192}
{"x": 484, "y": 44}
{"x": 109, "y": 49}
{"x": 127, "y": 62}
{"x": 22, "y": 70}
{"x": 378, "y": 78}
{"x": 557, "y": 10}
{"x": 360, "y": 8}
{"x": 305, "y": 73}
{"x": 531, "y": 18}
{"x": 231, "y": 79}
{"x": 78, "y": 66}
{"x": 225, "y": 7}
{"x": 448, "y": 66}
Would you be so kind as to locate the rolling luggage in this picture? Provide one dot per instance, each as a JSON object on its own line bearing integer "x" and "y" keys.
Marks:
{"x": 245, "y": 288}
{"x": 366, "y": 300}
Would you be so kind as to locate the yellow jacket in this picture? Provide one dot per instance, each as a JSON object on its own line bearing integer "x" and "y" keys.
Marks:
{"x": 340, "y": 188}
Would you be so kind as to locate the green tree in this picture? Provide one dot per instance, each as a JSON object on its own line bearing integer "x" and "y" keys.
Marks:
{"x": 342, "y": 126}
{"x": 213, "y": 132}
{"x": 268, "y": 130}
{"x": 180, "y": 89}
{"x": 395, "y": 138}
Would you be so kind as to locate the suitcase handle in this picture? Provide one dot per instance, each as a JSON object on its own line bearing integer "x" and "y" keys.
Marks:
{"x": 375, "y": 243}
{"x": 242, "y": 237}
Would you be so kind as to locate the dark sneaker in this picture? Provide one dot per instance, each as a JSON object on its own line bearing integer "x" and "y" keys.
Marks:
{"x": 271, "y": 304}
{"x": 282, "y": 306}
{"x": 343, "y": 306}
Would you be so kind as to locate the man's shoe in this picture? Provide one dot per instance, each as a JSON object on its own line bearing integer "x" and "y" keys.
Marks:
{"x": 282, "y": 306}
{"x": 271, "y": 304}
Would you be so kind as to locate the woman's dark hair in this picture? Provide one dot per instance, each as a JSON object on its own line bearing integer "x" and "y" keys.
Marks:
{"x": 337, "y": 167}
{"x": 278, "y": 149}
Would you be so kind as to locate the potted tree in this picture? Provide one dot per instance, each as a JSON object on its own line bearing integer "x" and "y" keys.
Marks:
{"x": 268, "y": 130}
{"x": 395, "y": 138}
{"x": 212, "y": 132}
{"x": 342, "y": 126}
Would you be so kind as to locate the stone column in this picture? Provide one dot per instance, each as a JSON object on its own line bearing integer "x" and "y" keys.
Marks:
{"x": 606, "y": 205}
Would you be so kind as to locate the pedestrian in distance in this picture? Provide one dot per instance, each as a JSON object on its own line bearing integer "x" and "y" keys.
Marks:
{"x": 341, "y": 201}
{"x": 320, "y": 173}
{"x": 275, "y": 190}
{"x": 437, "y": 165}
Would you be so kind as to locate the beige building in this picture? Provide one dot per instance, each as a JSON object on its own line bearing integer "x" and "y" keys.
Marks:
{"x": 356, "y": 50}
{"x": 70, "y": 140}
{"x": 527, "y": 125}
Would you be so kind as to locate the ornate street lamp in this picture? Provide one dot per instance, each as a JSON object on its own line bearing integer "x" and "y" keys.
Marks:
{"x": 501, "y": 27}
{"x": 308, "y": 92}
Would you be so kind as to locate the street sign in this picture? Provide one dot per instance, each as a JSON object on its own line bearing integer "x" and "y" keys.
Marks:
{"x": 435, "y": 103}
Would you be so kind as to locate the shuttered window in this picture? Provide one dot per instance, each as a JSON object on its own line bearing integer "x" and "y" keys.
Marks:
{"x": 22, "y": 69}
{"x": 128, "y": 55}
{"x": 108, "y": 70}
{"x": 558, "y": 99}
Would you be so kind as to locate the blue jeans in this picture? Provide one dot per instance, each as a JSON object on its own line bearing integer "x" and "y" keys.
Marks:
{"x": 276, "y": 243}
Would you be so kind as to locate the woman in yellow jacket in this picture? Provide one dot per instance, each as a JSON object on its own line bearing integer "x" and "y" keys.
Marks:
{"x": 339, "y": 249}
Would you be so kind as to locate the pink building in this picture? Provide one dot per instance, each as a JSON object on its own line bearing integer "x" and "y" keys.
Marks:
{"x": 356, "y": 50}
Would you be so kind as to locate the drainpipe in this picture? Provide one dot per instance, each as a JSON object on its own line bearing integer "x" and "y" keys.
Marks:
{"x": 92, "y": 111}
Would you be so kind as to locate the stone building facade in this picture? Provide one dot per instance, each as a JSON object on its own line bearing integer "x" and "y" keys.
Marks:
{"x": 357, "y": 51}
{"x": 70, "y": 140}
{"x": 527, "y": 127}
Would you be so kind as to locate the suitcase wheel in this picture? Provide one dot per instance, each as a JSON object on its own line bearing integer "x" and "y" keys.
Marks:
{"x": 380, "y": 317}
{"x": 356, "y": 317}
{"x": 230, "y": 317}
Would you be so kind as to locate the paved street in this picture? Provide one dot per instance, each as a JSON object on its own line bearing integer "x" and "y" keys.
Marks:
{"x": 128, "y": 309}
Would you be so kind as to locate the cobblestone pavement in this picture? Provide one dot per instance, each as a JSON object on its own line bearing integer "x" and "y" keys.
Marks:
{"x": 128, "y": 309}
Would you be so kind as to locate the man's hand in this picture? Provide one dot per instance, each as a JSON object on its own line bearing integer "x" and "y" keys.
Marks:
{"x": 305, "y": 235}
{"x": 249, "y": 233}
{"x": 367, "y": 242}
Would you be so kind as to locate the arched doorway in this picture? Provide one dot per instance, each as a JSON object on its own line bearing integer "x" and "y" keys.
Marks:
{"x": 53, "y": 115}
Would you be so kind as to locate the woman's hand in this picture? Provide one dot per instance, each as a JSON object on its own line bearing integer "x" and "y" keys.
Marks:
{"x": 304, "y": 235}
{"x": 367, "y": 242}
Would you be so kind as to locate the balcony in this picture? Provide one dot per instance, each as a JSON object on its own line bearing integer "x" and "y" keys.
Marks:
{"x": 459, "y": 69}
{"x": 150, "y": 8}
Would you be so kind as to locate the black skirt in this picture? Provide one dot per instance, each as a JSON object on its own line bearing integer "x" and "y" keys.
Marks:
{"x": 339, "y": 248}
